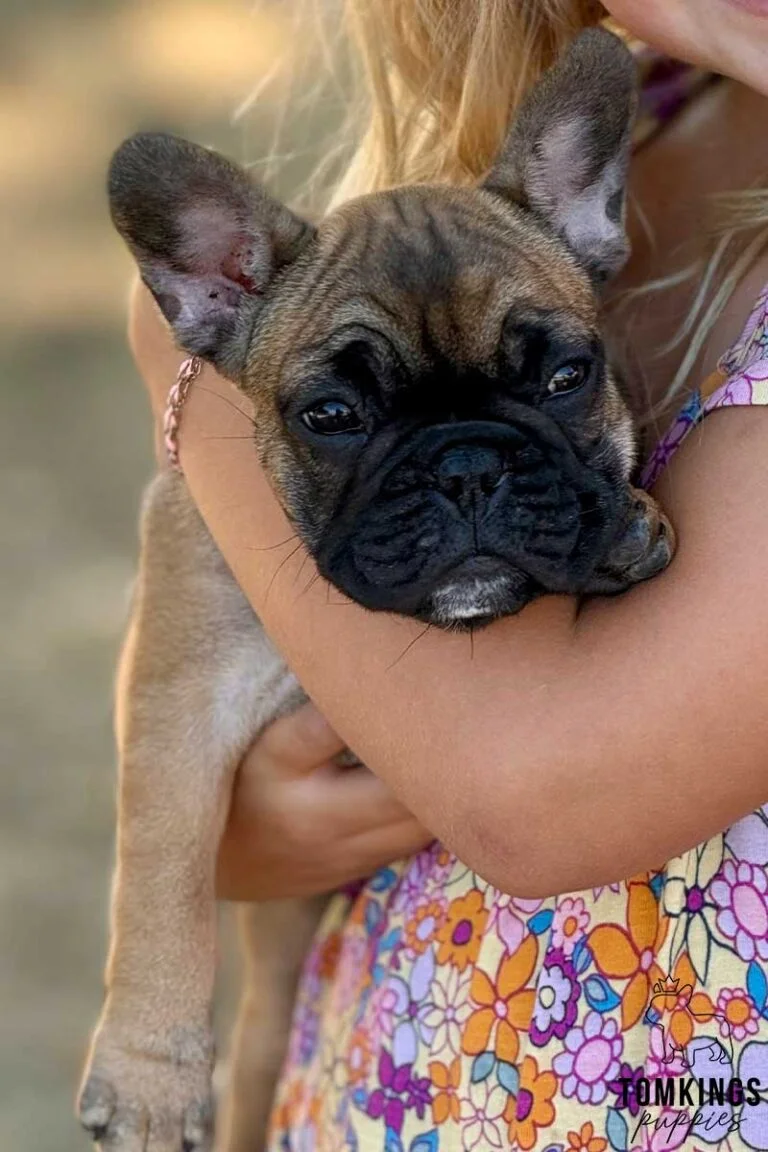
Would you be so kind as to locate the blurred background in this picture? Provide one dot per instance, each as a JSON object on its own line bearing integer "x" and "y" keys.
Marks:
{"x": 75, "y": 451}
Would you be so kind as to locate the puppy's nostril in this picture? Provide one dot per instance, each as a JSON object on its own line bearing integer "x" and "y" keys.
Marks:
{"x": 490, "y": 482}
{"x": 467, "y": 469}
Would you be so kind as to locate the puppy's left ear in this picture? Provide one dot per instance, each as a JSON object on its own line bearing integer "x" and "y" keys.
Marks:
{"x": 208, "y": 241}
{"x": 567, "y": 155}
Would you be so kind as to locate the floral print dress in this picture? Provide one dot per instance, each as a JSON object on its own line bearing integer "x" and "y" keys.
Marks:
{"x": 437, "y": 1014}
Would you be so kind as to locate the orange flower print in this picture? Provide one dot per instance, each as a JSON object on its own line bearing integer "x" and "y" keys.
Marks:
{"x": 315, "y": 1110}
{"x": 737, "y": 1013}
{"x": 532, "y": 1109}
{"x": 569, "y": 923}
{"x": 585, "y": 1140}
{"x": 289, "y": 1108}
{"x": 678, "y": 1007}
{"x": 504, "y": 1009}
{"x": 328, "y": 956}
{"x": 630, "y": 953}
{"x": 462, "y": 931}
{"x": 446, "y": 1080}
{"x": 359, "y": 1060}
{"x": 422, "y": 927}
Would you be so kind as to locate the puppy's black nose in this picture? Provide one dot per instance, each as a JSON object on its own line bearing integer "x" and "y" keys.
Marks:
{"x": 468, "y": 470}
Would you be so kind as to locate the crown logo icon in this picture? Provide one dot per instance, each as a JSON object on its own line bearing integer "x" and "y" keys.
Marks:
{"x": 666, "y": 987}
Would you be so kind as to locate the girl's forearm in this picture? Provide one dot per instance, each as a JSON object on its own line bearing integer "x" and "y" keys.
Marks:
{"x": 548, "y": 754}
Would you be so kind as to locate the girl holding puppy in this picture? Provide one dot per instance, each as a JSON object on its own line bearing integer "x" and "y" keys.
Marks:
{"x": 614, "y": 754}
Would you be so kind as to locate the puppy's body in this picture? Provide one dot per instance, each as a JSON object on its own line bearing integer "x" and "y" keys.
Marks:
{"x": 434, "y": 410}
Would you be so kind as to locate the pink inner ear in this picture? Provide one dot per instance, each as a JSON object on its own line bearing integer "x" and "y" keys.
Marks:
{"x": 235, "y": 263}
{"x": 214, "y": 241}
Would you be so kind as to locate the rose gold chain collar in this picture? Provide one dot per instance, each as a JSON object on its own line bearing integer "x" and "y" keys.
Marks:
{"x": 177, "y": 398}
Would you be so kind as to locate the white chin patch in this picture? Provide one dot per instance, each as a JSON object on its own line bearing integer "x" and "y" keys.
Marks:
{"x": 468, "y": 599}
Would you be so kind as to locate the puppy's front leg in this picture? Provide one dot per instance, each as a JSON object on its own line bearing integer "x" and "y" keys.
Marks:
{"x": 194, "y": 677}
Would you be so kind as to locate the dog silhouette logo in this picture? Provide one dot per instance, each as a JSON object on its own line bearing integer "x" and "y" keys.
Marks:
{"x": 668, "y": 999}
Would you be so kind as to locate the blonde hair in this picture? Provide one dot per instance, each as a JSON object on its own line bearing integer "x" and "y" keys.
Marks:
{"x": 434, "y": 86}
{"x": 444, "y": 80}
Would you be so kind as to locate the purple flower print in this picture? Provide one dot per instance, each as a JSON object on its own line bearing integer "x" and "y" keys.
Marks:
{"x": 507, "y": 919}
{"x": 590, "y": 1060}
{"x": 409, "y": 892}
{"x": 411, "y": 1008}
{"x": 753, "y": 1065}
{"x": 751, "y": 344}
{"x": 557, "y": 997}
{"x": 440, "y": 864}
{"x": 708, "y": 1060}
{"x": 306, "y": 1022}
{"x": 662, "y": 1061}
{"x": 384, "y": 1006}
{"x": 736, "y": 392}
{"x": 351, "y": 970}
{"x": 671, "y": 441}
{"x": 741, "y": 894}
{"x": 387, "y": 1101}
{"x": 419, "y": 1095}
{"x": 597, "y": 892}
{"x": 748, "y": 839}
{"x": 627, "y": 1091}
{"x": 739, "y": 389}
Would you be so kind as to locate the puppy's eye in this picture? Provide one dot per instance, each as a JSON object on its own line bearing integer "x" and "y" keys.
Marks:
{"x": 332, "y": 418}
{"x": 569, "y": 378}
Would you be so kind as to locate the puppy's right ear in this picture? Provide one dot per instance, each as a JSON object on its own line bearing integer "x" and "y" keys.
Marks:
{"x": 208, "y": 241}
{"x": 567, "y": 154}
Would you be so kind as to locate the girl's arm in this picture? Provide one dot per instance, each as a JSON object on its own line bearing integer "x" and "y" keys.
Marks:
{"x": 550, "y": 753}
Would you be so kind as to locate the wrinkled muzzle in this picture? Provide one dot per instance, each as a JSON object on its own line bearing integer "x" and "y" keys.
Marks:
{"x": 480, "y": 513}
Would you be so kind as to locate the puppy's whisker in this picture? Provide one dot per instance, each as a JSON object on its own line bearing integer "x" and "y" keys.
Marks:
{"x": 280, "y": 567}
{"x": 408, "y": 647}
{"x": 297, "y": 577}
{"x": 231, "y": 403}
{"x": 274, "y": 547}
{"x": 312, "y": 581}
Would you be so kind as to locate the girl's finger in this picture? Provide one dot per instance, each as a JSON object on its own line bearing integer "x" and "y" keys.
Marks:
{"x": 355, "y": 802}
{"x": 296, "y": 744}
{"x": 373, "y": 850}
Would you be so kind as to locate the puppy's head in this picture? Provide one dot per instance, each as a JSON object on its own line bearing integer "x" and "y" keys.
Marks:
{"x": 433, "y": 403}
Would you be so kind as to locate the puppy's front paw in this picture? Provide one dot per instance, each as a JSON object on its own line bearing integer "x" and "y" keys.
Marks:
{"x": 643, "y": 550}
{"x": 149, "y": 1097}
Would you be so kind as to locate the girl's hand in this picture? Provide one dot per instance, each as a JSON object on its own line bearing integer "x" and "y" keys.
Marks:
{"x": 300, "y": 825}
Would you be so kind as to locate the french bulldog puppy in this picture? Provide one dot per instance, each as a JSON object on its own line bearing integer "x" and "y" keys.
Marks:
{"x": 434, "y": 408}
